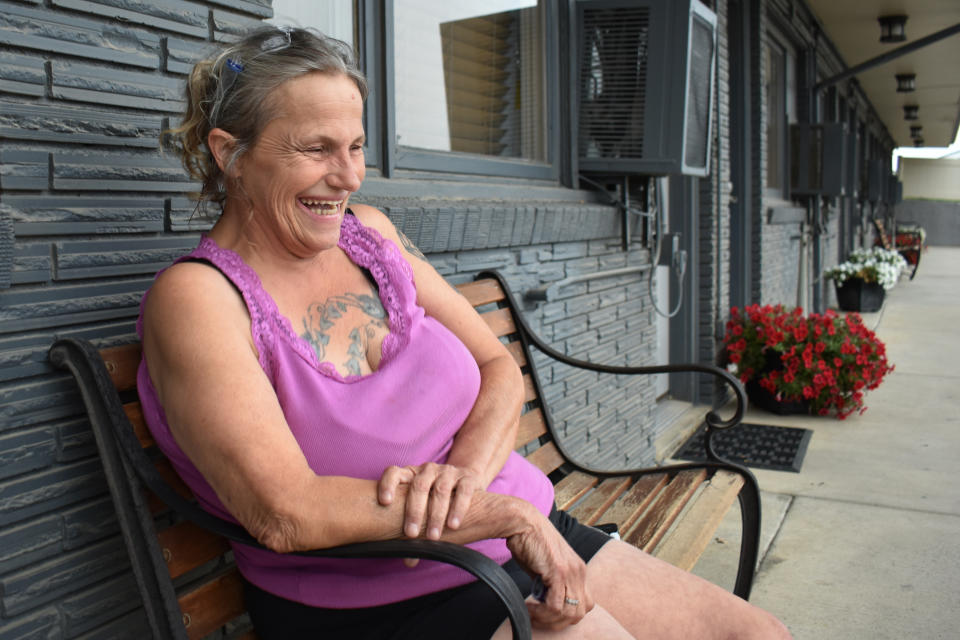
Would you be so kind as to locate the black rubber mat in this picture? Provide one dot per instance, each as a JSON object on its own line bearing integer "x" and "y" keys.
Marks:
{"x": 753, "y": 445}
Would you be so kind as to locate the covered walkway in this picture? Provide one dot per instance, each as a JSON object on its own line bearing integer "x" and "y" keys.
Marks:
{"x": 864, "y": 542}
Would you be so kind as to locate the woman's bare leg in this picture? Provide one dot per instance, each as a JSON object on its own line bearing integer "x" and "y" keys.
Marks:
{"x": 654, "y": 599}
{"x": 639, "y": 596}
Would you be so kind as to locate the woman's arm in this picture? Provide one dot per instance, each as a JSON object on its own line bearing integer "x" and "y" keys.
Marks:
{"x": 442, "y": 493}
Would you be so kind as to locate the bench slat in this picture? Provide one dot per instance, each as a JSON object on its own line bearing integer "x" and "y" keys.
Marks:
{"x": 481, "y": 292}
{"x": 653, "y": 524}
{"x": 573, "y": 487}
{"x": 546, "y": 458}
{"x": 186, "y": 546}
{"x": 134, "y": 413}
{"x": 529, "y": 390}
{"x": 532, "y": 426}
{"x": 122, "y": 363}
{"x": 155, "y": 504}
{"x": 625, "y": 511}
{"x": 691, "y": 533}
{"x": 212, "y": 605}
{"x": 600, "y": 499}
{"x": 500, "y": 322}
{"x": 173, "y": 479}
{"x": 516, "y": 350}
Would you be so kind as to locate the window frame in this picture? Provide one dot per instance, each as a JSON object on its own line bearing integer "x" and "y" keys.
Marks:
{"x": 376, "y": 20}
{"x": 787, "y": 113}
{"x": 367, "y": 30}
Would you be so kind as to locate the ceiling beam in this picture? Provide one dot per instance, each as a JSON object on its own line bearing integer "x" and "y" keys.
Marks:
{"x": 890, "y": 55}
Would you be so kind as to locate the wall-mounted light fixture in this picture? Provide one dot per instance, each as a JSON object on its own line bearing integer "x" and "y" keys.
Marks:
{"x": 915, "y": 131}
{"x": 906, "y": 82}
{"x": 892, "y": 28}
{"x": 911, "y": 111}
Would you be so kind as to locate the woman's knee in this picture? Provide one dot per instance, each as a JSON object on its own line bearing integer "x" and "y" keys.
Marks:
{"x": 599, "y": 624}
{"x": 649, "y": 596}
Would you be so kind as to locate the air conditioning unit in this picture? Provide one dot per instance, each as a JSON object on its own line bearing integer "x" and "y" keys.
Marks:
{"x": 818, "y": 159}
{"x": 644, "y": 86}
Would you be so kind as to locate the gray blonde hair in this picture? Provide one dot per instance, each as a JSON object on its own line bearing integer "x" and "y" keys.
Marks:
{"x": 232, "y": 89}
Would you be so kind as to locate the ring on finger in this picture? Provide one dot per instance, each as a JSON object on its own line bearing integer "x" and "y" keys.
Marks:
{"x": 571, "y": 601}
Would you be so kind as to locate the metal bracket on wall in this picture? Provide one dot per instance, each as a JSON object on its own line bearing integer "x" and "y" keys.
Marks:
{"x": 548, "y": 292}
{"x": 786, "y": 215}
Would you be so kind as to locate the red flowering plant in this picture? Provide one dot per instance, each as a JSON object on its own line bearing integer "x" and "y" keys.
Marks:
{"x": 824, "y": 360}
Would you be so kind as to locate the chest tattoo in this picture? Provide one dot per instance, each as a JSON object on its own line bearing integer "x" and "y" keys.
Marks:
{"x": 359, "y": 316}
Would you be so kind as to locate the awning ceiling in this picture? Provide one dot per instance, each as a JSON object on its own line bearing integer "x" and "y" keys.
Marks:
{"x": 853, "y": 28}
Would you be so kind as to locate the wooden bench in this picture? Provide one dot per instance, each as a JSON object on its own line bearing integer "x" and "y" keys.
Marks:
{"x": 907, "y": 240}
{"x": 180, "y": 554}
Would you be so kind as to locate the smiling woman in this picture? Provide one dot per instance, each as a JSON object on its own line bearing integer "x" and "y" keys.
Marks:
{"x": 297, "y": 180}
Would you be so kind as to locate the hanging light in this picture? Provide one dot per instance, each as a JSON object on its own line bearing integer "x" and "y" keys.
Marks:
{"x": 915, "y": 131}
{"x": 911, "y": 112}
{"x": 891, "y": 28}
{"x": 906, "y": 82}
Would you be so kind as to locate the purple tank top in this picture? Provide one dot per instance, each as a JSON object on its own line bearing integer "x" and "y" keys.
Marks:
{"x": 406, "y": 412}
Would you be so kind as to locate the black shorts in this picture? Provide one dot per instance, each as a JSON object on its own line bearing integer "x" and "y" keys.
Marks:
{"x": 466, "y": 612}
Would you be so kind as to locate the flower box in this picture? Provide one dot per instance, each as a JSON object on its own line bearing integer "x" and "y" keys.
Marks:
{"x": 855, "y": 294}
{"x": 795, "y": 363}
{"x": 877, "y": 267}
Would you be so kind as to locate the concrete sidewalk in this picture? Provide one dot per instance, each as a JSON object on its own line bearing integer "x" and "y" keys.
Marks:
{"x": 864, "y": 542}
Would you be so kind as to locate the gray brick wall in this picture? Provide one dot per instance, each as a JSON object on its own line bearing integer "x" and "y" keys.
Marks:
{"x": 940, "y": 218}
{"x": 91, "y": 210}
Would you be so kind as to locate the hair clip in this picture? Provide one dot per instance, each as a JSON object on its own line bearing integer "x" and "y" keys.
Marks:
{"x": 228, "y": 77}
{"x": 277, "y": 41}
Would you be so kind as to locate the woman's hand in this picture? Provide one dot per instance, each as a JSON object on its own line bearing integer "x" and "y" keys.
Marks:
{"x": 543, "y": 552}
{"x": 439, "y": 496}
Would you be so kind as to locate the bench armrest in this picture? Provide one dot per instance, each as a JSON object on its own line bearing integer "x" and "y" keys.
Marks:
{"x": 712, "y": 420}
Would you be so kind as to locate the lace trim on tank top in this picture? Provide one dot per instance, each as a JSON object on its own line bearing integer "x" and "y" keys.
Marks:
{"x": 366, "y": 248}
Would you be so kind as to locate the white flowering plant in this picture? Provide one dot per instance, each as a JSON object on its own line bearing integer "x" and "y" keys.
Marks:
{"x": 870, "y": 265}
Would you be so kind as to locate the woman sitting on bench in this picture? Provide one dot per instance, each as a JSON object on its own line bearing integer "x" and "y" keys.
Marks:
{"x": 312, "y": 377}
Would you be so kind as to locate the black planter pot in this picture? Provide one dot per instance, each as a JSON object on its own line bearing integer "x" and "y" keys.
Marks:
{"x": 856, "y": 295}
{"x": 760, "y": 397}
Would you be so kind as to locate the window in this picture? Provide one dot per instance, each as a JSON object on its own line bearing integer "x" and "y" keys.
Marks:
{"x": 470, "y": 79}
{"x": 334, "y": 18}
{"x": 780, "y": 113}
